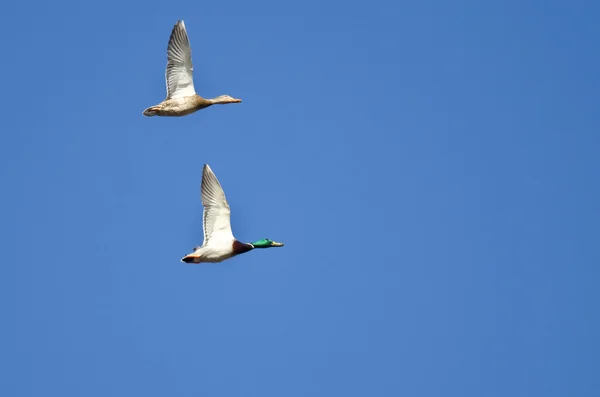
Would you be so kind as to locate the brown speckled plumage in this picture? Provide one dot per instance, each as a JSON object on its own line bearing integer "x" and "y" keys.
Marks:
{"x": 178, "y": 106}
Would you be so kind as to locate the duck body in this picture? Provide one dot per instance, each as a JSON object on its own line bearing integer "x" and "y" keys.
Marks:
{"x": 176, "y": 107}
{"x": 182, "y": 98}
{"x": 218, "y": 252}
{"x": 219, "y": 243}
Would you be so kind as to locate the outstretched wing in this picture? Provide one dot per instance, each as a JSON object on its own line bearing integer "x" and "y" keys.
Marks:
{"x": 216, "y": 215}
{"x": 179, "y": 73}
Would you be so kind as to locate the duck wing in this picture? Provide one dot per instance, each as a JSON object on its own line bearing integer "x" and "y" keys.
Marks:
{"x": 217, "y": 215}
{"x": 179, "y": 73}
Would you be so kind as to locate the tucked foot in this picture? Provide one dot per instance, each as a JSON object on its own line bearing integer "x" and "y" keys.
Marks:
{"x": 151, "y": 111}
{"x": 191, "y": 259}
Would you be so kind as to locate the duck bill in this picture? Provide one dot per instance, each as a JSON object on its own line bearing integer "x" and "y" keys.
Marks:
{"x": 276, "y": 244}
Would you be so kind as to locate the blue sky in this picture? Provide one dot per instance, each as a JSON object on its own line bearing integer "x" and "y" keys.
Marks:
{"x": 432, "y": 168}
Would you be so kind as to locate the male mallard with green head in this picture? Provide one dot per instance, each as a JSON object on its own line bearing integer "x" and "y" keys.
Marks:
{"x": 219, "y": 243}
{"x": 181, "y": 97}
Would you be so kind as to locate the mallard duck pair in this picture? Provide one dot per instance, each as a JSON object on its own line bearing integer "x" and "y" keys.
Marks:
{"x": 219, "y": 242}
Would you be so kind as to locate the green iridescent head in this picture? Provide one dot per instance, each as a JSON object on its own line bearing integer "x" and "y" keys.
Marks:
{"x": 266, "y": 243}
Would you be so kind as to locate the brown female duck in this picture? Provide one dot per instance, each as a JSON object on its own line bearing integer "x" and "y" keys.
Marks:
{"x": 181, "y": 96}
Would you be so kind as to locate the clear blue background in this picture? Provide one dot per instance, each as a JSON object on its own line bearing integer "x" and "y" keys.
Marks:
{"x": 431, "y": 166}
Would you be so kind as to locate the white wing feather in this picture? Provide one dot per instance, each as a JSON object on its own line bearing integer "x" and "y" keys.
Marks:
{"x": 179, "y": 73}
{"x": 217, "y": 215}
